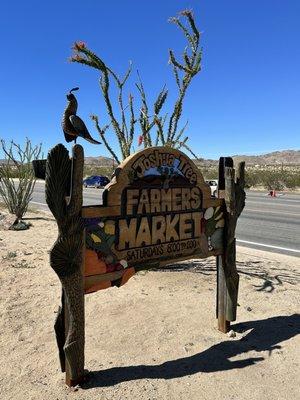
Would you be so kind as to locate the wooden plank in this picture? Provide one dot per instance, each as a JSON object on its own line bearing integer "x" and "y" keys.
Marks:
{"x": 223, "y": 324}
{"x": 66, "y": 254}
{"x": 232, "y": 190}
{"x": 222, "y": 292}
{"x": 223, "y": 163}
{"x": 100, "y": 211}
{"x": 109, "y": 276}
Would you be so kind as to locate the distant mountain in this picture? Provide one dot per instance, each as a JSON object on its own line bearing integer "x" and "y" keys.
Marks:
{"x": 274, "y": 158}
{"x": 286, "y": 157}
{"x": 3, "y": 161}
{"x": 99, "y": 161}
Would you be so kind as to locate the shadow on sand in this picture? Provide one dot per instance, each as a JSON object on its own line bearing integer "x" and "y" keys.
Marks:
{"x": 264, "y": 335}
{"x": 267, "y": 278}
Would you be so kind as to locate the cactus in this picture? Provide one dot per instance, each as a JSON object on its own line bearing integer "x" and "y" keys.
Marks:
{"x": 167, "y": 131}
{"x": 17, "y": 179}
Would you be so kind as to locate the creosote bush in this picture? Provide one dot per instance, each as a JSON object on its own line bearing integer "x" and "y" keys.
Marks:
{"x": 272, "y": 179}
{"x": 269, "y": 177}
{"x": 152, "y": 126}
{"x": 17, "y": 179}
{"x": 89, "y": 170}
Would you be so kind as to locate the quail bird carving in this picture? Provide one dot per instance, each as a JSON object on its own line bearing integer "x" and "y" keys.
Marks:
{"x": 72, "y": 125}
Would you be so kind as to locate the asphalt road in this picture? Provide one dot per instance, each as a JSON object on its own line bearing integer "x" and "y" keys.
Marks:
{"x": 271, "y": 224}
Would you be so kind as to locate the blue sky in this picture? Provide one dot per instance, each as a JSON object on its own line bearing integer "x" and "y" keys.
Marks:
{"x": 246, "y": 100}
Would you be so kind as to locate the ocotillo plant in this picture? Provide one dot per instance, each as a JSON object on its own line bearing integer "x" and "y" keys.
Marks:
{"x": 146, "y": 120}
{"x": 17, "y": 178}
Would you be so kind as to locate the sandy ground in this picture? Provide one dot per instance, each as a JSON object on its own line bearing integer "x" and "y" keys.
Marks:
{"x": 155, "y": 337}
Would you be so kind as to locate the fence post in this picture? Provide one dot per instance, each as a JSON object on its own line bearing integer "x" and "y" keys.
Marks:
{"x": 63, "y": 187}
{"x": 222, "y": 292}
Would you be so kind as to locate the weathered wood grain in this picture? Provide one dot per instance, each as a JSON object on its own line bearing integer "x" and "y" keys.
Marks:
{"x": 231, "y": 188}
{"x": 66, "y": 255}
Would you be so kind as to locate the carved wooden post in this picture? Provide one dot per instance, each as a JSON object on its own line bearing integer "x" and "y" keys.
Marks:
{"x": 223, "y": 324}
{"x": 232, "y": 190}
{"x": 65, "y": 202}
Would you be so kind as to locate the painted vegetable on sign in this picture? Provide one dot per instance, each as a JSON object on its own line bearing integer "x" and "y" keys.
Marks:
{"x": 100, "y": 259}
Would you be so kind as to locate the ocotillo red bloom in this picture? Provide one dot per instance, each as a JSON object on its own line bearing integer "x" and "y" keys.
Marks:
{"x": 79, "y": 45}
{"x": 75, "y": 57}
{"x": 140, "y": 140}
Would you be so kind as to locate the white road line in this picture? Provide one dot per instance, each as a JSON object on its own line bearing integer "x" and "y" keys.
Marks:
{"x": 268, "y": 245}
{"x": 271, "y": 212}
{"x": 270, "y": 200}
{"x": 277, "y": 203}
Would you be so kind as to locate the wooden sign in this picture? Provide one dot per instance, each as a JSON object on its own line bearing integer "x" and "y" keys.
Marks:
{"x": 156, "y": 210}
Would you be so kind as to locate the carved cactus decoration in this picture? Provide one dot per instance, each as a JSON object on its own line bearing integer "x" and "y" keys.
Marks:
{"x": 65, "y": 202}
{"x": 235, "y": 202}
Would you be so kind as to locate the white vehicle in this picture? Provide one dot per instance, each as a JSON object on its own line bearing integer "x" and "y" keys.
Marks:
{"x": 213, "y": 183}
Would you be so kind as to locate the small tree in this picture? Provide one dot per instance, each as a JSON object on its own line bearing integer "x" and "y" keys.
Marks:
{"x": 17, "y": 178}
{"x": 167, "y": 131}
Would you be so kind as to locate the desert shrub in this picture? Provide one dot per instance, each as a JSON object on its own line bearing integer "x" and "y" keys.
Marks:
{"x": 209, "y": 172}
{"x": 273, "y": 180}
{"x": 292, "y": 180}
{"x": 252, "y": 179}
{"x": 98, "y": 170}
{"x": 17, "y": 178}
